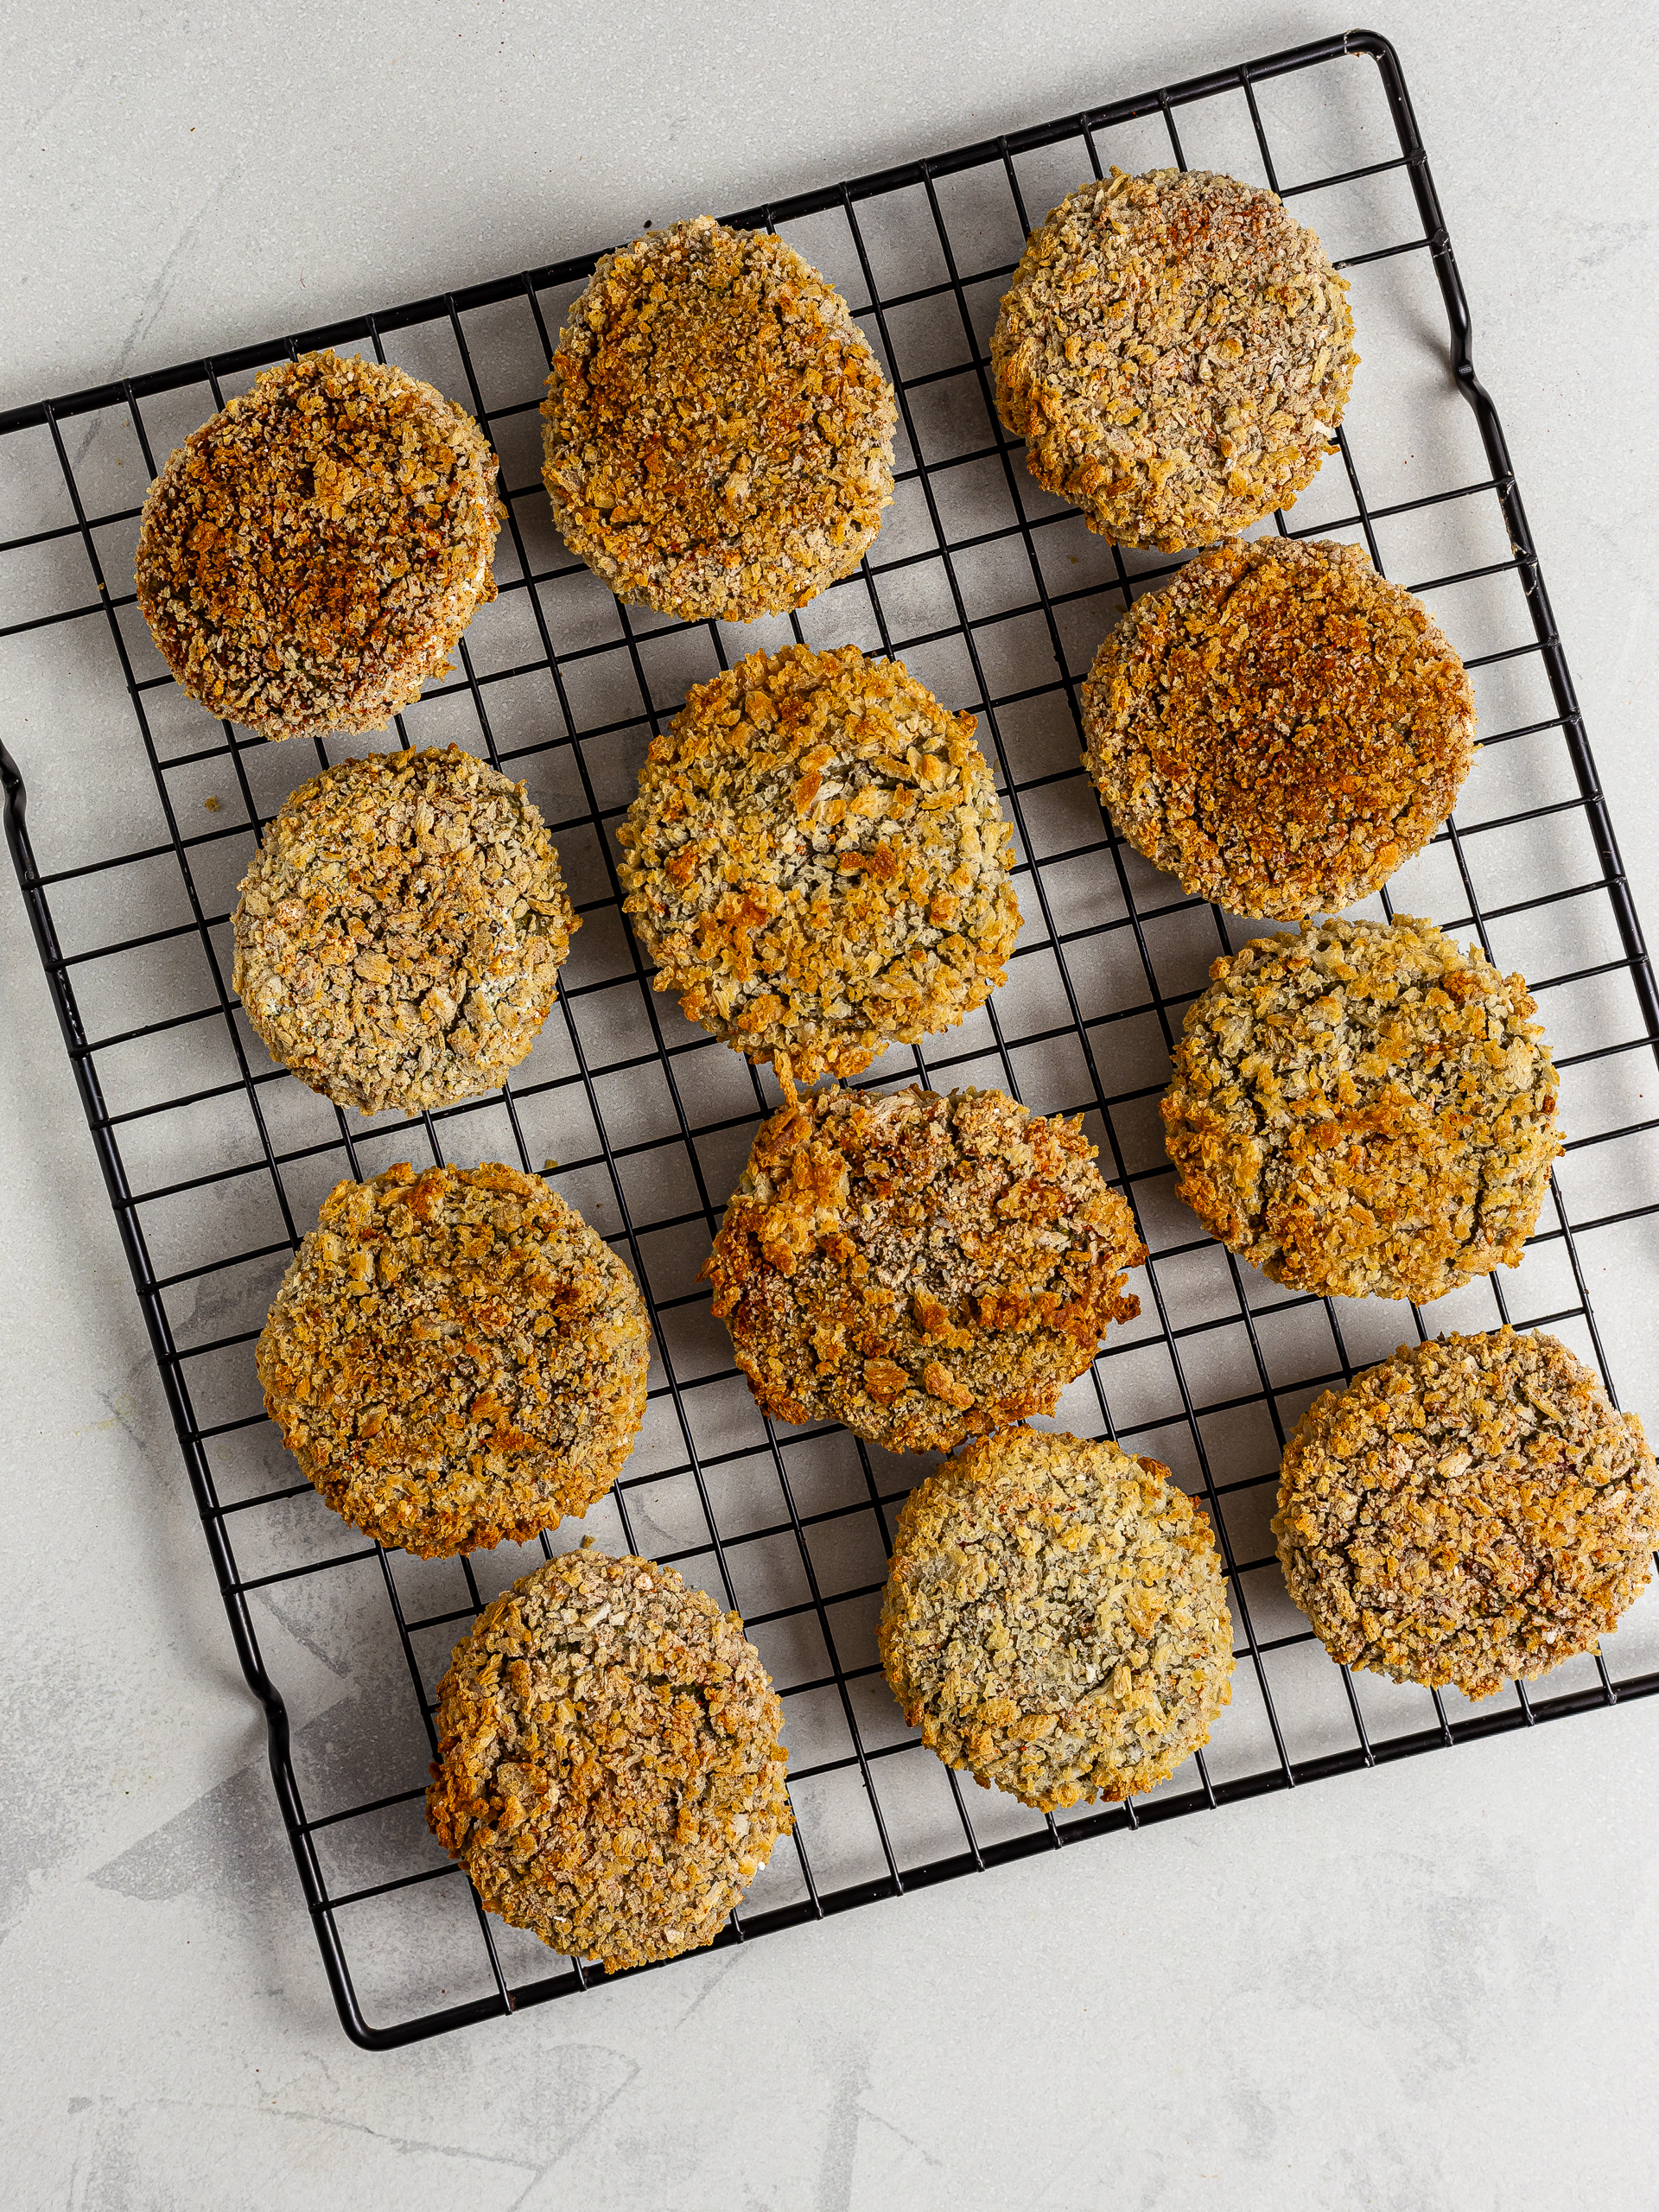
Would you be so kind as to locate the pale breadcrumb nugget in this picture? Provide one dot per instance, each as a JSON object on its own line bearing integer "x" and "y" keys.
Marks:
{"x": 399, "y": 933}
{"x": 1472, "y": 1511}
{"x": 609, "y": 1768}
{"x": 310, "y": 557}
{"x": 1281, "y": 728}
{"x": 1056, "y": 1618}
{"x": 455, "y": 1358}
{"x": 1363, "y": 1110}
{"x": 817, "y": 863}
{"x": 1177, "y": 351}
{"x": 717, "y": 434}
{"x": 921, "y": 1267}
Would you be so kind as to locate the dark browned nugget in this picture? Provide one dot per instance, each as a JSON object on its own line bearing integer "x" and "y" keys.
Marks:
{"x": 455, "y": 1358}
{"x": 1363, "y": 1109}
{"x": 1471, "y": 1512}
{"x": 309, "y": 557}
{"x": 609, "y": 1771}
{"x": 922, "y": 1267}
{"x": 1177, "y": 351}
{"x": 1281, "y": 728}
{"x": 1056, "y": 1619}
{"x": 717, "y": 434}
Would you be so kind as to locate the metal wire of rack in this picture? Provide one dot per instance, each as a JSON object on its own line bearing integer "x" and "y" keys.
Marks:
{"x": 214, "y": 1162}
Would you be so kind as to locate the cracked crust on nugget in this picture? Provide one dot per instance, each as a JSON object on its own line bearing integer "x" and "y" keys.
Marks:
{"x": 455, "y": 1358}
{"x": 817, "y": 863}
{"x": 717, "y": 434}
{"x": 308, "y": 558}
{"x": 609, "y": 1769}
{"x": 1177, "y": 351}
{"x": 1363, "y": 1109}
{"x": 1055, "y": 1618}
{"x": 399, "y": 934}
{"x": 1281, "y": 728}
{"x": 1472, "y": 1511}
{"x": 920, "y": 1268}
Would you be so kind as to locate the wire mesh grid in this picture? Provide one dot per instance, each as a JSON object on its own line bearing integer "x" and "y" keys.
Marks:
{"x": 146, "y": 817}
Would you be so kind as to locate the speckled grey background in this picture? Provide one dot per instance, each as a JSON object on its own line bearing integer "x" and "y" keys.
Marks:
{"x": 1433, "y": 1987}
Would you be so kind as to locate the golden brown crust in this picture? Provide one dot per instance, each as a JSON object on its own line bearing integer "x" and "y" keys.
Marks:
{"x": 308, "y": 558}
{"x": 718, "y": 436}
{"x": 455, "y": 1358}
{"x": 920, "y": 1268}
{"x": 1280, "y": 729}
{"x": 400, "y": 931}
{"x": 1364, "y": 1110}
{"x": 609, "y": 1771}
{"x": 1471, "y": 1512}
{"x": 1177, "y": 351}
{"x": 1056, "y": 1619}
{"x": 818, "y": 862}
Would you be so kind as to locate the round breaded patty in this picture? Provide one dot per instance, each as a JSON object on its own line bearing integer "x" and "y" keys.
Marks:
{"x": 1472, "y": 1511}
{"x": 455, "y": 1358}
{"x": 717, "y": 434}
{"x": 1364, "y": 1110}
{"x": 308, "y": 558}
{"x": 1055, "y": 1618}
{"x": 816, "y": 861}
{"x": 921, "y": 1267}
{"x": 1177, "y": 351}
{"x": 1280, "y": 729}
{"x": 399, "y": 936}
{"x": 609, "y": 1771}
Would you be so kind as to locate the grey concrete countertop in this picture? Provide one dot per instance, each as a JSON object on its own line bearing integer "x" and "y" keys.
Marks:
{"x": 1432, "y": 1987}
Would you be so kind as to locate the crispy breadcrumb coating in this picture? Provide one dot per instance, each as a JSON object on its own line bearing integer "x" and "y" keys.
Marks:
{"x": 609, "y": 1771}
{"x": 1471, "y": 1512}
{"x": 455, "y": 1358}
{"x": 817, "y": 863}
{"x": 1280, "y": 729}
{"x": 1364, "y": 1110}
{"x": 1177, "y": 351}
{"x": 1056, "y": 1618}
{"x": 717, "y": 434}
{"x": 920, "y": 1268}
{"x": 309, "y": 557}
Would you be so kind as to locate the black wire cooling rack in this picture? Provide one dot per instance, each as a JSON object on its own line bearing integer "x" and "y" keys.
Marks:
{"x": 215, "y": 1161}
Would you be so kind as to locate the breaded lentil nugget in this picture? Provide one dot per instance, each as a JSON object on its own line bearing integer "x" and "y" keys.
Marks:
{"x": 717, "y": 434}
{"x": 1055, "y": 1618}
{"x": 920, "y": 1268}
{"x": 455, "y": 1358}
{"x": 1364, "y": 1110}
{"x": 1177, "y": 351}
{"x": 1281, "y": 728}
{"x": 309, "y": 557}
{"x": 399, "y": 936}
{"x": 609, "y": 1771}
{"x": 817, "y": 863}
{"x": 1471, "y": 1512}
